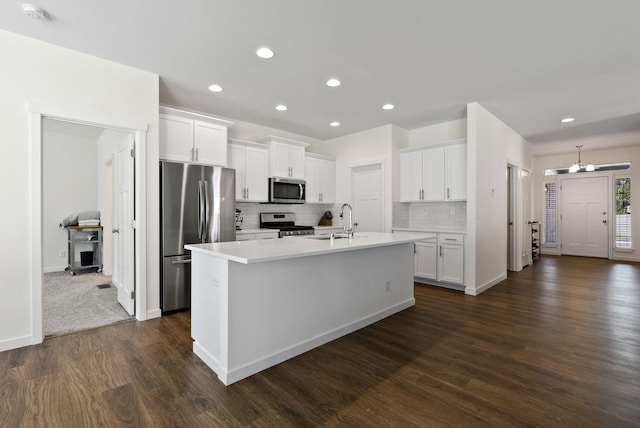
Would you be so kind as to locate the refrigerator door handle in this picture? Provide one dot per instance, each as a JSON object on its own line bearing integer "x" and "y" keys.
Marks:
{"x": 200, "y": 209}
{"x": 205, "y": 223}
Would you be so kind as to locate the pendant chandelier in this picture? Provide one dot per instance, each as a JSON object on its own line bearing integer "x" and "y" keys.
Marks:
{"x": 578, "y": 165}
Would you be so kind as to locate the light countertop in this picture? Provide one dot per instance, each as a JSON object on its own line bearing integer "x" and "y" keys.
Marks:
{"x": 429, "y": 230}
{"x": 257, "y": 251}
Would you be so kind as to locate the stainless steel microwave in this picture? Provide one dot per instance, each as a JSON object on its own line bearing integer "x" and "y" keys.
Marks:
{"x": 286, "y": 191}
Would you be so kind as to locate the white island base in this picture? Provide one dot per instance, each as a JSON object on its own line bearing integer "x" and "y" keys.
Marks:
{"x": 251, "y": 314}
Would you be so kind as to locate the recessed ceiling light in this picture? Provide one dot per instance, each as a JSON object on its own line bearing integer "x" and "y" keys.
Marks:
{"x": 333, "y": 82}
{"x": 215, "y": 88}
{"x": 265, "y": 53}
{"x": 388, "y": 107}
{"x": 567, "y": 119}
{"x": 335, "y": 124}
{"x": 281, "y": 107}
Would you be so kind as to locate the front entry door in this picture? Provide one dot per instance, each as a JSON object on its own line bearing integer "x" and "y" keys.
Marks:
{"x": 584, "y": 217}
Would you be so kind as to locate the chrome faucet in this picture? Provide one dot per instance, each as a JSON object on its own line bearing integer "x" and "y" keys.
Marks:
{"x": 348, "y": 228}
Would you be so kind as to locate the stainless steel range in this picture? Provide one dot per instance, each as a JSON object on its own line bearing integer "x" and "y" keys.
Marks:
{"x": 286, "y": 222}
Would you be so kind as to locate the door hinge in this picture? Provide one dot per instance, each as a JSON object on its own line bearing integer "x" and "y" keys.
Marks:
{"x": 133, "y": 153}
{"x": 134, "y": 224}
{"x": 133, "y": 294}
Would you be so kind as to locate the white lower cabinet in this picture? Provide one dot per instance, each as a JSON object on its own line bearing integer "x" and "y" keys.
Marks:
{"x": 440, "y": 259}
{"x": 451, "y": 258}
{"x": 426, "y": 264}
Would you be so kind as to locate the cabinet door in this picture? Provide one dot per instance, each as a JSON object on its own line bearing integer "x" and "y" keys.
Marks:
{"x": 411, "y": 176}
{"x": 426, "y": 260}
{"x": 210, "y": 142}
{"x": 433, "y": 174}
{"x": 279, "y": 159}
{"x": 176, "y": 138}
{"x": 456, "y": 172}
{"x": 296, "y": 161}
{"x": 256, "y": 178}
{"x": 451, "y": 263}
{"x": 312, "y": 177}
{"x": 327, "y": 179}
{"x": 236, "y": 161}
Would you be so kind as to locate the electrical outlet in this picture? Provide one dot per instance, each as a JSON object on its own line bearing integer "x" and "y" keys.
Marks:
{"x": 62, "y": 254}
{"x": 387, "y": 285}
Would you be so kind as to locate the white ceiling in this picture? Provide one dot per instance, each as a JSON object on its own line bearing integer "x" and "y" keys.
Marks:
{"x": 530, "y": 62}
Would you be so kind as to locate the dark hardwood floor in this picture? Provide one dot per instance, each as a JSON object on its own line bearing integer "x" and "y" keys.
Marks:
{"x": 557, "y": 344}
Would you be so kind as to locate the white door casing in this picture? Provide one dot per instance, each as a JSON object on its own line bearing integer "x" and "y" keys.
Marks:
{"x": 584, "y": 216}
{"x": 123, "y": 239}
{"x": 368, "y": 205}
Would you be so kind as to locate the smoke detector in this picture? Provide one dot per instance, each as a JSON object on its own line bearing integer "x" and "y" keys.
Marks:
{"x": 34, "y": 11}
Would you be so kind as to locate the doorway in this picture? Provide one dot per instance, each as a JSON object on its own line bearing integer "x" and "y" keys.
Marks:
{"x": 584, "y": 217}
{"x": 368, "y": 197}
{"x": 78, "y": 177}
{"x": 525, "y": 180}
{"x": 37, "y": 114}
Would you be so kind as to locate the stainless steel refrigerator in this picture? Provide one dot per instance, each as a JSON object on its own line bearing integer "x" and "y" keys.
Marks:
{"x": 198, "y": 205}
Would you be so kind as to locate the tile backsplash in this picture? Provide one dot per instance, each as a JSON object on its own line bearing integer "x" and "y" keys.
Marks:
{"x": 306, "y": 214}
{"x": 430, "y": 214}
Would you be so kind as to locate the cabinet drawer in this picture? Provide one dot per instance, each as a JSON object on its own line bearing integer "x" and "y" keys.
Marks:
{"x": 451, "y": 238}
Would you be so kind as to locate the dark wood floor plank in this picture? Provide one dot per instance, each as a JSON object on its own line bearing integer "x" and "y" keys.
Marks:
{"x": 557, "y": 344}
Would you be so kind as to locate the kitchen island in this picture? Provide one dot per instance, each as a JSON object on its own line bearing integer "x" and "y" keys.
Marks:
{"x": 255, "y": 304}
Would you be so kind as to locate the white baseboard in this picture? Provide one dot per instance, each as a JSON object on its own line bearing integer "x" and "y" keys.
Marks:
{"x": 19, "y": 342}
{"x": 236, "y": 374}
{"x": 55, "y": 269}
{"x": 154, "y": 313}
{"x": 484, "y": 287}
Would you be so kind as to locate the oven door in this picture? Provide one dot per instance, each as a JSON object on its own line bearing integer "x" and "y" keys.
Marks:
{"x": 286, "y": 191}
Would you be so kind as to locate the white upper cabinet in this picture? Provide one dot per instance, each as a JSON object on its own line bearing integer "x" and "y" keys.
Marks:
{"x": 434, "y": 173}
{"x": 190, "y": 137}
{"x": 456, "y": 172}
{"x": 286, "y": 157}
{"x": 320, "y": 177}
{"x": 251, "y": 162}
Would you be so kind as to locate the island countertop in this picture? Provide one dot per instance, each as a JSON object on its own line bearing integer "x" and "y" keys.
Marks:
{"x": 257, "y": 251}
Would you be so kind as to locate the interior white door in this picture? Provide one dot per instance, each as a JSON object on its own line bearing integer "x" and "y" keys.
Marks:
{"x": 584, "y": 216}
{"x": 123, "y": 232}
{"x": 368, "y": 205}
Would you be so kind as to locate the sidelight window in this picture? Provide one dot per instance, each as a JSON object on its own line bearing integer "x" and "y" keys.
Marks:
{"x": 549, "y": 212}
{"x": 623, "y": 212}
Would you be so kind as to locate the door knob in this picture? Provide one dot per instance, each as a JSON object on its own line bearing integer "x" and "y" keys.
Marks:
{"x": 115, "y": 230}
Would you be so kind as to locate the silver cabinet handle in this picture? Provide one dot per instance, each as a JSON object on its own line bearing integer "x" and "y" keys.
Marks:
{"x": 440, "y": 250}
{"x": 247, "y": 193}
{"x": 196, "y": 154}
{"x": 115, "y": 230}
{"x": 180, "y": 262}
{"x": 604, "y": 221}
{"x": 450, "y": 239}
{"x": 448, "y": 193}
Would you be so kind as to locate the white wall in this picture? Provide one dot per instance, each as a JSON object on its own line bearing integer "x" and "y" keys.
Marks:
{"x": 69, "y": 185}
{"x": 441, "y": 132}
{"x": 611, "y": 155}
{"x": 370, "y": 146}
{"x": 491, "y": 145}
{"x": 34, "y": 72}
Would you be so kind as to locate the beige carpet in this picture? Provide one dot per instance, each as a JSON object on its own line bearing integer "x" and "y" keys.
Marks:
{"x": 74, "y": 303}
